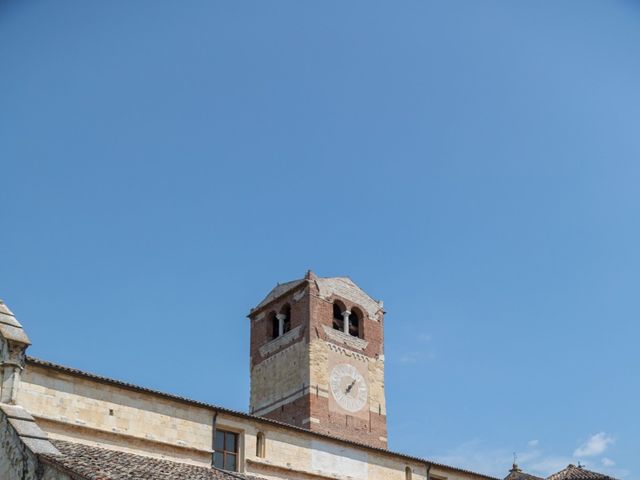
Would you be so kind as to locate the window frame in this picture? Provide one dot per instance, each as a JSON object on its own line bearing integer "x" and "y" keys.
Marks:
{"x": 408, "y": 472}
{"x": 225, "y": 452}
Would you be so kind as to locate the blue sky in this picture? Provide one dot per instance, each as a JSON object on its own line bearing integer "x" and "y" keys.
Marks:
{"x": 473, "y": 164}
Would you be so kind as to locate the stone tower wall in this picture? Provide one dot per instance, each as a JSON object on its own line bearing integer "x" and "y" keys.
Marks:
{"x": 280, "y": 367}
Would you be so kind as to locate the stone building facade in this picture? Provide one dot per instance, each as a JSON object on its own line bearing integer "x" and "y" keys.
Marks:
{"x": 317, "y": 410}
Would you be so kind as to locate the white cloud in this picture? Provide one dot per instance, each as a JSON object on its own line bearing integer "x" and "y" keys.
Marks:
{"x": 607, "y": 462}
{"x": 532, "y": 443}
{"x": 595, "y": 445}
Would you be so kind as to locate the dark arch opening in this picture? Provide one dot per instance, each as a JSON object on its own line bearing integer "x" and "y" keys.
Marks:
{"x": 338, "y": 319}
{"x": 272, "y": 325}
{"x": 355, "y": 320}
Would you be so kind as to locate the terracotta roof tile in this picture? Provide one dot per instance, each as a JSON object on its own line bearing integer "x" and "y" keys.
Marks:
{"x": 517, "y": 474}
{"x": 95, "y": 463}
{"x": 573, "y": 472}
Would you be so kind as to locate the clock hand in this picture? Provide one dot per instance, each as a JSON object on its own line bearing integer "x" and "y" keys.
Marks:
{"x": 350, "y": 386}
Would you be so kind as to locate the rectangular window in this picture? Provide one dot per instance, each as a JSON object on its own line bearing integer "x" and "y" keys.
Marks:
{"x": 225, "y": 454}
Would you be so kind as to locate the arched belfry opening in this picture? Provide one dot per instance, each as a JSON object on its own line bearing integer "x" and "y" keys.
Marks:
{"x": 279, "y": 323}
{"x": 347, "y": 321}
{"x": 355, "y": 322}
{"x": 338, "y": 318}
{"x": 285, "y": 318}
{"x": 273, "y": 326}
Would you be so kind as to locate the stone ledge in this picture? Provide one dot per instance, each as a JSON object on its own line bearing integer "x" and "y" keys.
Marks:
{"x": 345, "y": 338}
{"x": 27, "y": 428}
{"x": 281, "y": 341}
{"x": 15, "y": 411}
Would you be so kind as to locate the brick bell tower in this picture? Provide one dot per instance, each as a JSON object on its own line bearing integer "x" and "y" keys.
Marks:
{"x": 317, "y": 359}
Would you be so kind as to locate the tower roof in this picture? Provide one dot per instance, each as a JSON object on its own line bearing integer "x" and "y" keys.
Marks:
{"x": 278, "y": 291}
{"x": 573, "y": 472}
{"x": 517, "y": 474}
{"x": 327, "y": 286}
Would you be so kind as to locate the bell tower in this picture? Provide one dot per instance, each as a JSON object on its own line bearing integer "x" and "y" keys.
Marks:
{"x": 317, "y": 359}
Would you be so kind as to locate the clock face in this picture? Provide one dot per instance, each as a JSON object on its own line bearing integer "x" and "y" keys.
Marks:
{"x": 348, "y": 387}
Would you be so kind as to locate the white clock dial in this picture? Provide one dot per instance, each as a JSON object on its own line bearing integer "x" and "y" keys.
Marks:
{"x": 348, "y": 387}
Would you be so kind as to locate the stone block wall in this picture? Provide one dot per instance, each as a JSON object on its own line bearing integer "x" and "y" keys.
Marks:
{"x": 280, "y": 378}
{"x": 81, "y": 409}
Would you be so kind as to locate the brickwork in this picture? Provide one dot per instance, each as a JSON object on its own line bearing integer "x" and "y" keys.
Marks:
{"x": 278, "y": 374}
{"x": 261, "y": 321}
{"x": 296, "y": 412}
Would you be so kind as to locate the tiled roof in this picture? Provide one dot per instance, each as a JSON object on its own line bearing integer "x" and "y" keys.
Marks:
{"x": 573, "y": 472}
{"x": 279, "y": 290}
{"x": 95, "y": 463}
{"x": 516, "y": 474}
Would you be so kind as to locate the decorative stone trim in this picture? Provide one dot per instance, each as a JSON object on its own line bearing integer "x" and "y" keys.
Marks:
{"x": 348, "y": 353}
{"x": 344, "y": 338}
{"x": 280, "y": 342}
